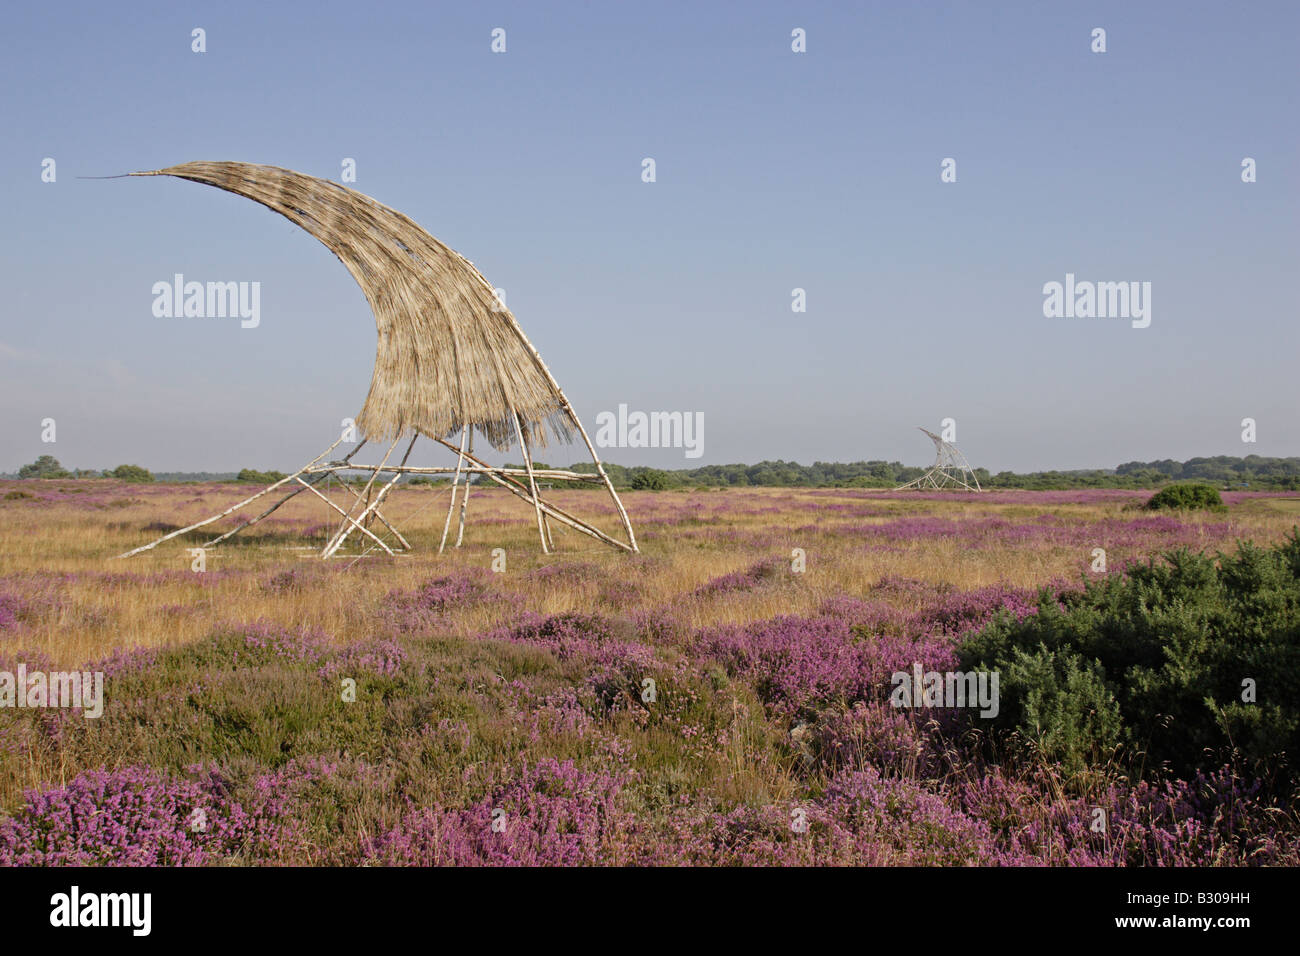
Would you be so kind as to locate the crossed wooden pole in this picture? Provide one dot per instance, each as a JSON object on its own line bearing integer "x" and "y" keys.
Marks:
{"x": 365, "y": 505}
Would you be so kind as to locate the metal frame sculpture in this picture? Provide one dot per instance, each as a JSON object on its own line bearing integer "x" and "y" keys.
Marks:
{"x": 950, "y": 469}
{"x": 451, "y": 360}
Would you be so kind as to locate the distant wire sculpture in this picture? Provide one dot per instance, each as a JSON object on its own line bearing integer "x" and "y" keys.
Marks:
{"x": 950, "y": 469}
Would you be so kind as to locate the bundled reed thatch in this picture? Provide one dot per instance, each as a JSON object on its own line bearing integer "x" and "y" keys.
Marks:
{"x": 451, "y": 359}
{"x": 449, "y": 353}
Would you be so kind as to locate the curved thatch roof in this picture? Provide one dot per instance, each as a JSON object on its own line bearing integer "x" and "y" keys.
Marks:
{"x": 448, "y": 354}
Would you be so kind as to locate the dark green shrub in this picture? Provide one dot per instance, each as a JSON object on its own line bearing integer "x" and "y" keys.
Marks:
{"x": 1177, "y": 645}
{"x": 133, "y": 473}
{"x": 1063, "y": 706}
{"x": 1187, "y": 497}
{"x": 651, "y": 479}
{"x": 46, "y": 466}
{"x": 259, "y": 477}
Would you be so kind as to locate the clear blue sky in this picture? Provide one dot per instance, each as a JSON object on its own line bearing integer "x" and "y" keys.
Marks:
{"x": 775, "y": 170}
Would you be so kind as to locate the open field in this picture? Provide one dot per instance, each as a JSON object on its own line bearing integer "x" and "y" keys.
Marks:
{"x": 503, "y": 717}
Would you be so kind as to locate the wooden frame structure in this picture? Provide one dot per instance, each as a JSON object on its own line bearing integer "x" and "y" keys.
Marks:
{"x": 950, "y": 469}
{"x": 451, "y": 360}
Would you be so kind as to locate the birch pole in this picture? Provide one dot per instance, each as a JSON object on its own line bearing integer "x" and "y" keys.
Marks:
{"x": 532, "y": 483}
{"x": 517, "y": 489}
{"x": 568, "y": 408}
{"x": 342, "y": 536}
{"x": 293, "y": 494}
{"x": 451, "y": 505}
{"x": 233, "y": 508}
{"x": 464, "y": 501}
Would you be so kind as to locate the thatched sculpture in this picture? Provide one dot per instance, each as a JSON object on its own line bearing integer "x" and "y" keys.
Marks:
{"x": 451, "y": 359}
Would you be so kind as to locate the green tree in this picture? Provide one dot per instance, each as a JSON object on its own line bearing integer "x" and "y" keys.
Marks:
{"x": 651, "y": 479}
{"x": 133, "y": 473}
{"x": 260, "y": 477}
{"x": 47, "y": 466}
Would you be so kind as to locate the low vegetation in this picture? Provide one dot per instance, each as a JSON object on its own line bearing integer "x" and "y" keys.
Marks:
{"x": 1182, "y": 662}
{"x": 726, "y": 697}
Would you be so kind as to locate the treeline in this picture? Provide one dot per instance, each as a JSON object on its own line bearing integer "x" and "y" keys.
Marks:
{"x": 1251, "y": 472}
{"x": 47, "y": 466}
{"x": 1220, "y": 468}
{"x": 1223, "y": 472}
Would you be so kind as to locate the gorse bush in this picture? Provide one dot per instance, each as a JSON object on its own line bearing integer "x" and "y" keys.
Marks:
{"x": 1065, "y": 705}
{"x": 1186, "y": 497}
{"x": 1174, "y": 664}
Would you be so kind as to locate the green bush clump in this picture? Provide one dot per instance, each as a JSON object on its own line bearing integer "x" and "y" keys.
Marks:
{"x": 46, "y": 466}
{"x": 1065, "y": 706}
{"x": 1178, "y": 663}
{"x": 260, "y": 477}
{"x": 652, "y": 479}
{"x": 1187, "y": 497}
{"x": 133, "y": 473}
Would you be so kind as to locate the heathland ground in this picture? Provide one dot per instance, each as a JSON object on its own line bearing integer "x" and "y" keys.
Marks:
{"x": 720, "y": 698}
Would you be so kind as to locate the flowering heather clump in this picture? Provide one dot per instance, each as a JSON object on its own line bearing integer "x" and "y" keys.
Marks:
{"x": 291, "y": 579}
{"x": 863, "y": 819}
{"x": 11, "y": 610}
{"x": 549, "y": 714}
{"x": 620, "y": 594}
{"x": 573, "y": 573}
{"x": 871, "y": 616}
{"x": 29, "y": 598}
{"x": 568, "y": 635}
{"x": 740, "y": 836}
{"x": 1211, "y": 820}
{"x": 660, "y": 625}
{"x": 927, "y": 609}
{"x": 383, "y": 658}
{"x": 898, "y": 822}
{"x": 135, "y": 816}
{"x": 553, "y": 814}
{"x": 615, "y": 662}
{"x": 121, "y": 662}
{"x": 425, "y": 607}
{"x": 262, "y": 642}
{"x": 34, "y": 660}
{"x": 797, "y": 663}
{"x": 963, "y": 611}
{"x": 764, "y": 572}
{"x": 896, "y": 741}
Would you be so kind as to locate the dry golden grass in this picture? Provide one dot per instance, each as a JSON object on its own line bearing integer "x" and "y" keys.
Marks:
{"x": 61, "y": 542}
